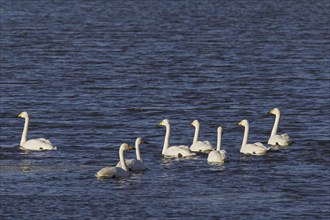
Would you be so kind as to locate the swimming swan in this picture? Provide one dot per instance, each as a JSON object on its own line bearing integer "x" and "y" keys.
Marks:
{"x": 135, "y": 164}
{"x": 173, "y": 151}
{"x": 282, "y": 140}
{"x": 116, "y": 172}
{"x": 217, "y": 156}
{"x": 199, "y": 146}
{"x": 39, "y": 144}
{"x": 254, "y": 149}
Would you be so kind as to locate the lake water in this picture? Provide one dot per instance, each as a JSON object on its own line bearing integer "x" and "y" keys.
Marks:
{"x": 95, "y": 74}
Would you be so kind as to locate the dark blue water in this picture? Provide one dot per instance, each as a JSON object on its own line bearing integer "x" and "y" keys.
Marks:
{"x": 95, "y": 74}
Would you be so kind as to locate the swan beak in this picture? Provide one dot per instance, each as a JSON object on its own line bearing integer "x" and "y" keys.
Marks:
{"x": 271, "y": 112}
{"x": 161, "y": 123}
{"x": 131, "y": 147}
{"x": 19, "y": 116}
{"x": 239, "y": 123}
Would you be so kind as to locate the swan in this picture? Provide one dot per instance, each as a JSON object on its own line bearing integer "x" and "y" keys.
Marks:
{"x": 254, "y": 149}
{"x": 199, "y": 146}
{"x": 282, "y": 140}
{"x": 217, "y": 155}
{"x": 38, "y": 144}
{"x": 116, "y": 172}
{"x": 135, "y": 164}
{"x": 173, "y": 151}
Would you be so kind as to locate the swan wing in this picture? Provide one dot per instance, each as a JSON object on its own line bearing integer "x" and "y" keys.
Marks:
{"x": 282, "y": 140}
{"x": 286, "y": 138}
{"x": 178, "y": 151}
{"x": 106, "y": 172}
{"x": 216, "y": 157}
{"x": 129, "y": 163}
{"x": 133, "y": 165}
{"x": 45, "y": 140}
{"x": 184, "y": 146}
{"x": 201, "y": 146}
{"x": 262, "y": 146}
{"x": 38, "y": 145}
{"x": 111, "y": 172}
{"x": 254, "y": 149}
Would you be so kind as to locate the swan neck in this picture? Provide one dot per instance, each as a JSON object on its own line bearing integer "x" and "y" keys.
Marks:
{"x": 25, "y": 130}
{"x": 167, "y": 139}
{"x": 246, "y": 135}
{"x": 137, "y": 150}
{"x": 196, "y": 133}
{"x": 122, "y": 159}
{"x": 275, "y": 127}
{"x": 219, "y": 141}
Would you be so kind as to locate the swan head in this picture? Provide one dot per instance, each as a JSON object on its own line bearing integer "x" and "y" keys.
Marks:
{"x": 138, "y": 141}
{"x": 219, "y": 130}
{"x": 274, "y": 111}
{"x": 23, "y": 115}
{"x": 244, "y": 123}
{"x": 195, "y": 123}
{"x": 125, "y": 146}
{"x": 165, "y": 122}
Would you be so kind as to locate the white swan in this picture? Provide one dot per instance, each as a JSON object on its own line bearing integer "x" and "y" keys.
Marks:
{"x": 254, "y": 149}
{"x": 135, "y": 164}
{"x": 33, "y": 144}
{"x": 116, "y": 172}
{"x": 173, "y": 151}
{"x": 217, "y": 156}
{"x": 282, "y": 140}
{"x": 199, "y": 146}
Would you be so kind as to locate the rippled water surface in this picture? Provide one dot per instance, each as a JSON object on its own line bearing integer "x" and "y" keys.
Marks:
{"x": 95, "y": 74}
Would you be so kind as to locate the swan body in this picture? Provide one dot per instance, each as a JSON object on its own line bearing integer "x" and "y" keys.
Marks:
{"x": 135, "y": 164}
{"x": 217, "y": 156}
{"x": 38, "y": 144}
{"x": 173, "y": 151}
{"x": 199, "y": 146}
{"x": 116, "y": 172}
{"x": 253, "y": 149}
{"x": 282, "y": 140}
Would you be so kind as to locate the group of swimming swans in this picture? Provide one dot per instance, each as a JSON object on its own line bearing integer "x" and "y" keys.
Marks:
{"x": 216, "y": 155}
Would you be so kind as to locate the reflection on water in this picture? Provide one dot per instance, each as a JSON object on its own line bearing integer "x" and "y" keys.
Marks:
{"x": 93, "y": 76}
